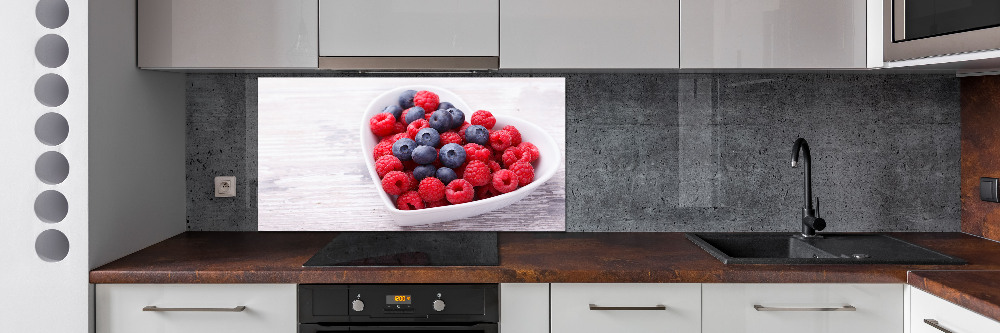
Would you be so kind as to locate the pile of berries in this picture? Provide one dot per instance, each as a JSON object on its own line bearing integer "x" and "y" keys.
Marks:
{"x": 436, "y": 158}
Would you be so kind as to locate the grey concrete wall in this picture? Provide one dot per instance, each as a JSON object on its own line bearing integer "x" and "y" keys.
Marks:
{"x": 682, "y": 152}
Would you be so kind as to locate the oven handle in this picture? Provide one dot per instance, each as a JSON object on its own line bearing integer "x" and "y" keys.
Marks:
{"x": 483, "y": 328}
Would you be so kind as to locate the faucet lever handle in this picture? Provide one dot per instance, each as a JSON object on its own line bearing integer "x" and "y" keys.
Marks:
{"x": 817, "y": 206}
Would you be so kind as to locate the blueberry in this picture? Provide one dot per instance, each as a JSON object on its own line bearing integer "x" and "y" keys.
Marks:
{"x": 403, "y": 149}
{"x": 445, "y": 174}
{"x": 395, "y": 110}
{"x": 457, "y": 117}
{"x": 445, "y": 106}
{"x": 452, "y": 155}
{"x": 413, "y": 114}
{"x": 428, "y": 137}
{"x": 423, "y": 171}
{"x": 440, "y": 120}
{"x": 424, "y": 154}
{"x": 406, "y": 99}
{"x": 477, "y": 134}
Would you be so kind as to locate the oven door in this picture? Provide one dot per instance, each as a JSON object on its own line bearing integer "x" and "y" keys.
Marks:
{"x": 927, "y": 28}
{"x": 472, "y": 328}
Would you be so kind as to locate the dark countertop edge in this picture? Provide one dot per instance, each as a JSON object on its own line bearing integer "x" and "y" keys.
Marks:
{"x": 971, "y": 295}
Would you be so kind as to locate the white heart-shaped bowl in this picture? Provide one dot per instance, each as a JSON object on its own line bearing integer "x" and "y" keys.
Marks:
{"x": 545, "y": 167}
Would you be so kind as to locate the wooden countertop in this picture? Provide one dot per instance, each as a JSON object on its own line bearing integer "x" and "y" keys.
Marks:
{"x": 978, "y": 291}
{"x": 277, "y": 257}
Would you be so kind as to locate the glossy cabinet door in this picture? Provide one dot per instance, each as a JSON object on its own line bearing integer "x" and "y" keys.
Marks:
{"x": 408, "y": 28}
{"x": 227, "y": 34}
{"x": 524, "y": 308}
{"x": 268, "y": 308}
{"x": 589, "y": 34}
{"x": 774, "y": 34}
{"x": 802, "y": 308}
{"x": 946, "y": 315}
{"x": 626, "y": 307}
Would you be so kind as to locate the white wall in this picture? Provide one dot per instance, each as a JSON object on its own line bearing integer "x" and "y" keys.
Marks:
{"x": 137, "y": 185}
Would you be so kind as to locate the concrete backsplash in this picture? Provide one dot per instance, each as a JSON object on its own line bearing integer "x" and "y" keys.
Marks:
{"x": 681, "y": 152}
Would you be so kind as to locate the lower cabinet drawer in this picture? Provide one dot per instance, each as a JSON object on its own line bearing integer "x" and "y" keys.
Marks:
{"x": 930, "y": 314}
{"x": 626, "y": 307}
{"x": 195, "y": 308}
{"x": 802, "y": 308}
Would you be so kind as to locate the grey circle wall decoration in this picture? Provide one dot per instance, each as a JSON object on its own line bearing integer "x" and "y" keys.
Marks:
{"x": 51, "y": 129}
{"x": 52, "y": 13}
{"x": 51, "y": 206}
{"x": 52, "y": 245}
{"x": 51, "y": 90}
{"x": 52, "y": 167}
{"x": 51, "y": 50}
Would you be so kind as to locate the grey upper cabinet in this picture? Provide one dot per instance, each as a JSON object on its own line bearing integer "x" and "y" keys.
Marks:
{"x": 219, "y": 34}
{"x": 589, "y": 34}
{"x": 777, "y": 34}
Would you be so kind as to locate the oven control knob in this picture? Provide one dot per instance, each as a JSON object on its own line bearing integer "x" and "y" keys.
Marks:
{"x": 438, "y": 305}
{"x": 358, "y": 305}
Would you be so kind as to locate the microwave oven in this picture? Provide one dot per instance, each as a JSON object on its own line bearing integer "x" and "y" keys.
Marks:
{"x": 915, "y": 29}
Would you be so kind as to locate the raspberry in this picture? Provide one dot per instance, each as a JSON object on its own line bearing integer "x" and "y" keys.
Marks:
{"x": 461, "y": 129}
{"x": 426, "y": 99}
{"x": 524, "y": 171}
{"x": 451, "y": 137}
{"x": 395, "y": 183}
{"x": 409, "y": 201}
{"x": 504, "y": 181}
{"x": 413, "y": 128}
{"x": 399, "y": 128}
{"x": 515, "y": 135}
{"x": 382, "y": 124}
{"x": 483, "y": 118}
{"x": 494, "y": 166}
{"x": 530, "y": 150}
{"x": 395, "y": 137}
{"x": 431, "y": 189}
{"x": 413, "y": 181}
{"x": 427, "y": 116}
{"x": 383, "y": 148}
{"x": 486, "y": 192}
{"x": 438, "y": 203}
{"x": 513, "y": 155}
{"x": 476, "y": 152}
{"x": 387, "y": 163}
{"x": 477, "y": 173}
{"x": 500, "y": 140}
{"x": 459, "y": 191}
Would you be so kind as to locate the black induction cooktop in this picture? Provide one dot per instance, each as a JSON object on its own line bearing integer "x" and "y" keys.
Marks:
{"x": 409, "y": 249}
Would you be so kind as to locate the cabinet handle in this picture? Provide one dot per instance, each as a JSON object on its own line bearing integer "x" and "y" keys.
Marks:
{"x": 935, "y": 324}
{"x": 233, "y": 309}
{"x": 759, "y": 307}
{"x": 630, "y": 308}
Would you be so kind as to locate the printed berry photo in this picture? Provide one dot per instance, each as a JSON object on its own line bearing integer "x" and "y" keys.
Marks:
{"x": 441, "y": 154}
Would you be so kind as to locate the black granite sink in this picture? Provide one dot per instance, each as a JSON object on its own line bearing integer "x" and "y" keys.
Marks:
{"x": 786, "y": 248}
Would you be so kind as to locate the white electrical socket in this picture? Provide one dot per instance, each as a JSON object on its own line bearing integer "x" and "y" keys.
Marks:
{"x": 225, "y": 186}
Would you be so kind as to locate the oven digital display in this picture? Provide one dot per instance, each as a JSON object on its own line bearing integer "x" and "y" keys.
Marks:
{"x": 397, "y": 299}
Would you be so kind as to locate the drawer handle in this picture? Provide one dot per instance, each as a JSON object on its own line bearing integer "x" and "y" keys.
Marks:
{"x": 234, "y": 309}
{"x": 935, "y": 324}
{"x": 629, "y": 308}
{"x": 759, "y": 307}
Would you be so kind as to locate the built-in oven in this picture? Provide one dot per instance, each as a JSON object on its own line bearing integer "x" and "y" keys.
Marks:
{"x": 466, "y": 308}
{"x": 927, "y": 28}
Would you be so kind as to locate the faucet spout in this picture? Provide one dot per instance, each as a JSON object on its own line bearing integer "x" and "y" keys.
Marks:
{"x": 810, "y": 222}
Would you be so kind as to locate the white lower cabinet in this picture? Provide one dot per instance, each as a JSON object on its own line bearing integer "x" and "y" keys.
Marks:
{"x": 626, "y": 307}
{"x": 802, "y": 308}
{"x": 524, "y": 308}
{"x": 196, "y": 308}
{"x": 930, "y": 314}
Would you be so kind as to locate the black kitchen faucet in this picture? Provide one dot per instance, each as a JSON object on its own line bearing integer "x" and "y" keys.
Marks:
{"x": 810, "y": 222}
